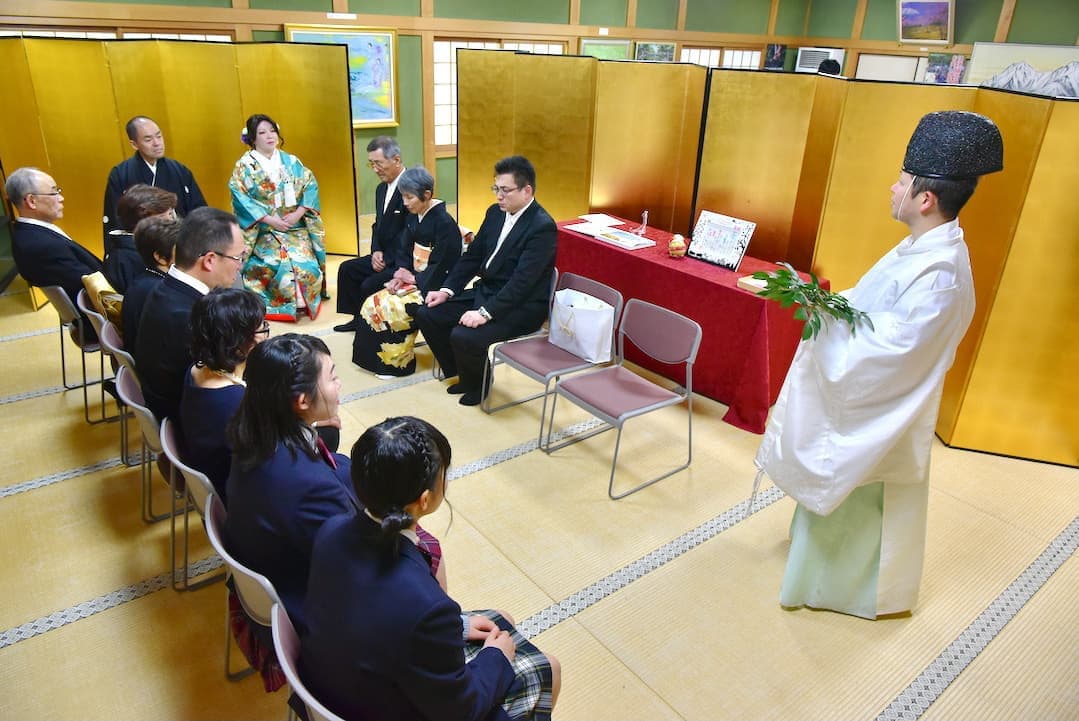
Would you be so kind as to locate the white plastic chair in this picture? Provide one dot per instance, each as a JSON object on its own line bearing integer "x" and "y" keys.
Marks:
{"x": 287, "y": 646}
{"x": 127, "y": 387}
{"x": 74, "y": 323}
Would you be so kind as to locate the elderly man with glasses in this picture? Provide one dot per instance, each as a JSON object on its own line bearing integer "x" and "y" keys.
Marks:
{"x": 209, "y": 254}
{"x": 44, "y": 254}
{"x": 360, "y": 277}
{"x": 513, "y": 256}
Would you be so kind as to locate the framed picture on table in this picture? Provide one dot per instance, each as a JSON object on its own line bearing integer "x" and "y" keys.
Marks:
{"x": 926, "y": 22}
{"x": 607, "y": 49}
{"x": 372, "y": 68}
{"x": 721, "y": 239}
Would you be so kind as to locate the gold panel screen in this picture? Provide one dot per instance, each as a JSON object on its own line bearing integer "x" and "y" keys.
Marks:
{"x": 878, "y": 118}
{"x": 538, "y": 106}
{"x": 648, "y": 120}
{"x": 1021, "y": 397}
{"x": 74, "y": 98}
{"x": 754, "y": 143}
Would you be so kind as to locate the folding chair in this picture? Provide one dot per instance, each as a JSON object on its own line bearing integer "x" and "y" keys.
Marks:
{"x": 256, "y": 593}
{"x": 543, "y": 361}
{"x": 287, "y": 646}
{"x": 109, "y": 337}
{"x": 71, "y": 320}
{"x": 198, "y": 489}
{"x": 127, "y": 387}
{"x": 616, "y": 394}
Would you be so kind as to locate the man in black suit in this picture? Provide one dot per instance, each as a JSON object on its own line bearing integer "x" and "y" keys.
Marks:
{"x": 209, "y": 254}
{"x": 44, "y": 254}
{"x": 150, "y": 166}
{"x": 360, "y": 277}
{"x": 513, "y": 256}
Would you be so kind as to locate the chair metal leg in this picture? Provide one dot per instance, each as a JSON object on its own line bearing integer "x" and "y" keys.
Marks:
{"x": 229, "y": 673}
{"x": 184, "y": 582}
{"x": 545, "y": 444}
{"x": 614, "y": 462}
{"x": 146, "y": 464}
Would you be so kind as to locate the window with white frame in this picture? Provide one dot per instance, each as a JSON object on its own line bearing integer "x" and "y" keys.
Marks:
{"x": 723, "y": 57}
{"x": 112, "y": 35}
{"x": 445, "y": 74}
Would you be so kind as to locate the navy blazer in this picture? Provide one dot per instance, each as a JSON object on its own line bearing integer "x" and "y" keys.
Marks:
{"x": 172, "y": 176}
{"x": 138, "y": 290}
{"x": 162, "y": 347}
{"x": 386, "y": 230}
{"x": 274, "y": 512}
{"x": 520, "y": 275}
{"x": 45, "y": 257}
{"x": 384, "y": 641}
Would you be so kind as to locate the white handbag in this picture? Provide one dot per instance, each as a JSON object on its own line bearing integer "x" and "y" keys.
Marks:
{"x": 582, "y": 324}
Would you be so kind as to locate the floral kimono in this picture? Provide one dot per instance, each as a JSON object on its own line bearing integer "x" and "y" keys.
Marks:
{"x": 286, "y": 268}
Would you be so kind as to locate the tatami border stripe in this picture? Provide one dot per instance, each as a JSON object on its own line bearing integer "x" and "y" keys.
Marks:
{"x": 57, "y": 477}
{"x": 32, "y": 394}
{"x": 29, "y": 334}
{"x": 102, "y": 603}
{"x": 601, "y": 589}
{"x": 916, "y": 698}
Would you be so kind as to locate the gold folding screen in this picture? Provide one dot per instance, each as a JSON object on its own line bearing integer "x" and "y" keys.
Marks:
{"x": 648, "y": 124}
{"x": 73, "y": 97}
{"x": 539, "y": 106}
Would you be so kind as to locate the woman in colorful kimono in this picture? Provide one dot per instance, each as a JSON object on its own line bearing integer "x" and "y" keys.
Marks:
{"x": 276, "y": 200}
{"x": 386, "y": 338}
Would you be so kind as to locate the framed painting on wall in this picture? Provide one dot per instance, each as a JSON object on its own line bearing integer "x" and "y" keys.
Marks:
{"x": 372, "y": 68}
{"x": 654, "y": 52}
{"x": 927, "y": 22}
{"x": 606, "y": 49}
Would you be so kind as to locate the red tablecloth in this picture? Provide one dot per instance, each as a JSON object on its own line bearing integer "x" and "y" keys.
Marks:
{"x": 748, "y": 342}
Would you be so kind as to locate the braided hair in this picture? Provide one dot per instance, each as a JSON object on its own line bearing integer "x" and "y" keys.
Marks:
{"x": 278, "y": 370}
{"x": 393, "y": 463}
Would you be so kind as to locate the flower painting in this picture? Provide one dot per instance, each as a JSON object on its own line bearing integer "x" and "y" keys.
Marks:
{"x": 372, "y": 68}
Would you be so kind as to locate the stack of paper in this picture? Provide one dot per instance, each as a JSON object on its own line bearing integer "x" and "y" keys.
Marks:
{"x": 599, "y": 228}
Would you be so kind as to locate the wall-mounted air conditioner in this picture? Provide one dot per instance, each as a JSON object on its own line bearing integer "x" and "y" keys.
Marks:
{"x": 809, "y": 59}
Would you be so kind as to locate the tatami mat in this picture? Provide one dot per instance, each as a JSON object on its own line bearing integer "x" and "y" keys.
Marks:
{"x": 695, "y": 632}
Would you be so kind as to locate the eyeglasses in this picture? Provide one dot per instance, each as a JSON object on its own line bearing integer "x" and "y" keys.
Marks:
{"x": 378, "y": 163}
{"x": 264, "y": 329}
{"x": 499, "y": 190}
{"x": 58, "y": 191}
{"x": 238, "y": 258}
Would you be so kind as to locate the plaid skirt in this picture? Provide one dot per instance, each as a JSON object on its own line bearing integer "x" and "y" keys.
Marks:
{"x": 529, "y": 696}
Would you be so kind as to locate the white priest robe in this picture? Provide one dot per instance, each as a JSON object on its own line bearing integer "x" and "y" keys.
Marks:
{"x": 859, "y": 409}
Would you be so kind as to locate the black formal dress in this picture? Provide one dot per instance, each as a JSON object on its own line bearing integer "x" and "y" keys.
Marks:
{"x": 122, "y": 260}
{"x": 356, "y": 279}
{"x": 514, "y": 288}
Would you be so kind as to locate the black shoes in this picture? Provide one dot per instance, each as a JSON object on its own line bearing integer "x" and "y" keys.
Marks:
{"x": 456, "y": 389}
{"x": 348, "y": 327}
{"x": 471, "y": 398}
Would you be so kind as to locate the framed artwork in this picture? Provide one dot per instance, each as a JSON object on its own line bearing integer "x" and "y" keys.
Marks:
{"x": 775, "y": 57}
{"x": 721, "y": 239}
{"x": 926, "y": 22}
{"x": 372, "y": 68}
{"x": 654, "y": 52}
{"x": 607, "y": 49}
{"x": 944, "y": 68}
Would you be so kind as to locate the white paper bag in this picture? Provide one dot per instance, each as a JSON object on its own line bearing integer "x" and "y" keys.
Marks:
{"x": 582, "y": 324}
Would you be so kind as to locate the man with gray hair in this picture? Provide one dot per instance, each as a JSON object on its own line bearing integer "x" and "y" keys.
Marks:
{"x": 360, "y": 277}
{"x": 44, "y": 254}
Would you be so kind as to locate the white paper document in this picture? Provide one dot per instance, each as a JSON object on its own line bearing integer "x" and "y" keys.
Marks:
{"x": 601, "y": 219}
{"x": 614, "y": 236}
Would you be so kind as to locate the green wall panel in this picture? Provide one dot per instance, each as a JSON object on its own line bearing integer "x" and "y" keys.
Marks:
{"x": 189, "y": 3}
{"x": 410, "y": 8}
{"x": 446, "y": 180}
{"x": 976, "y": 20}
{"x": 533, "y": 11}
{"x": 880, "y": 18}
{"x": 317, "y": 5}
{"x": 603, "y": 12}
{"x": 831, "y": 18}
{"x": 728, "y": 16}
{"x": 657, "y": 14}
{"x": 268, "y": 36}
{"x": 1045, "y": 22}
{"x": 791, "y": 17}
{"x": 409, "y": 132}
